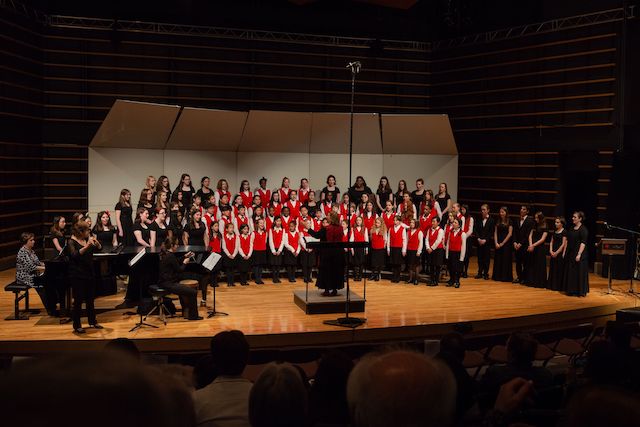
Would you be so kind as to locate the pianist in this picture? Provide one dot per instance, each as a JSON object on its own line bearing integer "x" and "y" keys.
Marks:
{"x": 29, "y": 269}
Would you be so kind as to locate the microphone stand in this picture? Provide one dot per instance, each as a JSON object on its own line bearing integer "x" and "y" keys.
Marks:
{"x": 634, "y": 258}
{"x": 349, "y": 322}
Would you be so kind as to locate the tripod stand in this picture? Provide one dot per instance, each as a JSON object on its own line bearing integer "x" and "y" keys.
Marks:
{"x": 349, "y": 322}
{"x": 213, "y": 312}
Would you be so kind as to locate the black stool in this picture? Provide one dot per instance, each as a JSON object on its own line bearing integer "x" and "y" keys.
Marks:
{"x": 158, "y": 295}
{"x": 21, "y": 292}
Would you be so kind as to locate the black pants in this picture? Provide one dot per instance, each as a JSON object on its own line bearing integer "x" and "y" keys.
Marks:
{"x": 84, "y": 290}
{"x": 521, "y": 261}
{"x": 188, "y": 298}
{"x": 455, "y": 267}
{"x": 484, "y": 259}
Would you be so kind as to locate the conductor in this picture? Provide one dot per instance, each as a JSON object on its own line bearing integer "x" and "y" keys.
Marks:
{"x": 331, "y": 260}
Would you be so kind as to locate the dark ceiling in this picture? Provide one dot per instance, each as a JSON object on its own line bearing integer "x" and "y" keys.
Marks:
{"x": 392, "y": 19}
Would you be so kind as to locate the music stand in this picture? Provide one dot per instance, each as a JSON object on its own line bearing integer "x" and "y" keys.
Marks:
{"x": 210, "y": 263}
{"x": 634, "y": 236}
{"x": 140, "y": 322}
{"x": 611, "y": 248}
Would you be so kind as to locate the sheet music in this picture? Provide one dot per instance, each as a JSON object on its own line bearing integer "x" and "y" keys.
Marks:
{"x": 211, "y": 261}
{"x": 137, "y": 258}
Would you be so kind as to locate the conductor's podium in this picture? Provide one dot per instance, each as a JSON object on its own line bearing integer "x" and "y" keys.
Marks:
{"x": 312, "y": 302}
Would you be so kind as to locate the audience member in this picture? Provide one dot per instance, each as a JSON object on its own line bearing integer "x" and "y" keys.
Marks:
{"x": 521, "y": 352}
{"x": 328, "y": 396}
{"x": 100, "y": 390}
{"x": 123, "y": 347}
{"x": 401, "y": 388}
{"x": 603, "y": 406}
{"x": 204, "y": 372}
{"x": 452, "y": 352}
{"x": 278, "y": 398}
{"x": 224, "y": 402}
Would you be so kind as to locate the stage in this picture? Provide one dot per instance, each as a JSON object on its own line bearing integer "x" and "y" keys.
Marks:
{"x": 269, "y": 317}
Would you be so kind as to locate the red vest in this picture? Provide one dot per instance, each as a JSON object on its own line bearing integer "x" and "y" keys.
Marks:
{"x": 358, "y": 235}
{"x": 467, "y": 224}
{"x": 269, "y": 222}
{"x": 265, "y": 197}
{"x": 293, "y": 240}
{"x": 294, "y": 209}
{"x": 230, "y": 243}
{"x": 388, "y": 219}
{"x": 286, "y": 221}
{"x": 447, "y": 231}
{"x": 226, "y": 220}
{"x": 345, "y": 235}
{"x": 413, "y": 240}
{"x": 222, "y": 193}
{"x": 215, "y": 244}
{"x": 284, "y": 194}
{"x": 395, "y": 237}
{"x": 245, "y": 243}
{"x": 277, "y": 237}
{"x": 303, "y": 195}
{"x": 455, "y": 241}
{"x": 302, "y": 222}
{"x": 242, "y": 220}
{"x": 369, "y": 220}
{"x": 425, "y": 223}
{"x": 317, "y": 224}
{"x": 247, "y": 198}
{"x": 351, "y": 218}
{"x": 326, "y": 208}
{"x": 259, "y": 241}
{"x": 277, "y": 208}
{"x": 344, "y": 210}
{"x": 377, "y": 241}
{"x": 433, "y": 236}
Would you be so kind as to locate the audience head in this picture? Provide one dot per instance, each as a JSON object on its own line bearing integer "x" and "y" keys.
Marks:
{"x": 230, "y": 352}
{"x": 401, "y": 388}
{"x": 453, "y": 344}
{"x": 136, "y": 395}
{"x": 603, "y": 406}
{"x": 521, "y": 349}
{"x": 605, "y": 364}
{"x": 122, "y": 347}
{"x": 278, "y": 398}
{"x": 204, "y": 372}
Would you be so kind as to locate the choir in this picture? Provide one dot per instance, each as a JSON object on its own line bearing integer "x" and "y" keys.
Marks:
{"x": 417, "y": 231}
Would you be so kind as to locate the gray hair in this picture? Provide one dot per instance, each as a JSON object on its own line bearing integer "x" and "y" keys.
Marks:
{"x": 401, "y": 388}
{"x": 278, "y": 397}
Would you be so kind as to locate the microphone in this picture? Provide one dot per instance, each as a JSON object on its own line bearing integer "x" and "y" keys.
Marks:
{"x": 354, "y": 66}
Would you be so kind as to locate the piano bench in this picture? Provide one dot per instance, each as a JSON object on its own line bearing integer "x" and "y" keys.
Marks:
{"x": 21, "y": 292}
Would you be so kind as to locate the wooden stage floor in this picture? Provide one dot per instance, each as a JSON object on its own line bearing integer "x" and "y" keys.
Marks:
{"x": 269, "y": 317}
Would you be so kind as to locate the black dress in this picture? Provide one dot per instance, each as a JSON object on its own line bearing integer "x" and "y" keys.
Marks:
{"x": 331, "y": 260}
{"x": 161, "y": 232}
{"x": 105, "y": 237}
{"x": 576, "y": 276}
{"x": 502, "y": 263}
{"x": 383, "y": 195}
{"x": 335, "y": 192}
{"x": 81, "y": 279}
{"x": 556, "y": 265}
{"x": 442, "y": 202}
{"x": 144, "y": 272}
{"x": 187, "y": 197}
{"x": 538, "y": 261}
{"x": 196, "y": 234}
{"x": 126, "y": 220}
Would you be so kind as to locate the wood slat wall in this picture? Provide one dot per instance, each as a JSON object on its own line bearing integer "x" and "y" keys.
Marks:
{"x": 515, "y": 105}
{"x": 21, "y": 113}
